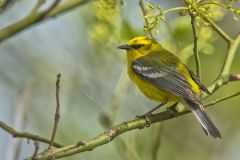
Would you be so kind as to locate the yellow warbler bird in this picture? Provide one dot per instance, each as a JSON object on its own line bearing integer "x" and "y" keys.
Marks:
{"x": 162, "y": 77}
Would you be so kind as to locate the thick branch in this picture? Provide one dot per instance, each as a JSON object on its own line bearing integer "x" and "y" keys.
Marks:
{"x": 27, "y": 135}
{"x": 109, "y": 135}
{"x": 32, "y": 19}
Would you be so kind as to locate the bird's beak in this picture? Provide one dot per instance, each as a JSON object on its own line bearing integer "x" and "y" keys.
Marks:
{"x": 125, "y": 47}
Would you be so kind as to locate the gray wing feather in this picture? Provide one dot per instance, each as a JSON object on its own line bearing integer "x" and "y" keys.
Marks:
{"x": 165, "y": 77}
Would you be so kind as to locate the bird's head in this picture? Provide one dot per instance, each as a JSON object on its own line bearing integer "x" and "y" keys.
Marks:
{"x": 142, "y": 45}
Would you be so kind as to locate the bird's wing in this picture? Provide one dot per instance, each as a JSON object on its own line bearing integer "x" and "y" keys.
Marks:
{"x": 163, "y": 76}
{"x": 196, "y": 79}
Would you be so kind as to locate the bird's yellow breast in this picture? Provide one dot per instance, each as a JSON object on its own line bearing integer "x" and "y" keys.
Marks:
{"x": 152, "y": 92}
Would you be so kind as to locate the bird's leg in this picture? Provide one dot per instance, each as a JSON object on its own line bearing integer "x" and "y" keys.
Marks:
{"x": 149, "y": 113}
{"x": 152, "y": 110}
{"x": 173, "y": 107}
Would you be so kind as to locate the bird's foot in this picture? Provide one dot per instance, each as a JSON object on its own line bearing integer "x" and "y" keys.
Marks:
{"x": 146, "y": 116}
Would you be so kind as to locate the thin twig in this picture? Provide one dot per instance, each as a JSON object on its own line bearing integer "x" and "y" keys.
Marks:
{"x": 141, "y": 4}
{"x": 195, "y": 47}
{"x": 222, "y": 33}
{"x": 213, "y": 3}
{"x": 230, "y": 55}
{"x": 36, "y": 7}
{"x": 36, "y": 146}
{"x": 221, "y": 81}
{"x": 109, "y": 135}
{"x": 49, "y": 9}
{"x": 222, "y": 99}
{"x": 174, "y": 9}
{"x": 57, "y": 113}
{"x": 27, "y": 135}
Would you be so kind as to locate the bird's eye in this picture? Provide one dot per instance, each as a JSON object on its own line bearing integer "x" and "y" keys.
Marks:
{"x": 136, "y": 46}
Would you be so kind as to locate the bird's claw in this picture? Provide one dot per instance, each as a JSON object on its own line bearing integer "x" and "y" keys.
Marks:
{"x": 147, "y": 118}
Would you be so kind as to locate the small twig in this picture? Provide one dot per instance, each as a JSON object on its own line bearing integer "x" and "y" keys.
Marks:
{"x": 174, "y": 9}
{"x": 141, "y": 4}
{"x": 27, "y": 135}
{"x": 195, "y": 48}
{"x": 36, "y": 7}
{"x": 222, "y": 33}
{"x": 213, "y": 3}
{"x": 36, "y": 145}
{"x": 57, "y": 114}
{"x": 221, "y": 99}
{"x": 230, "y": 55}
{"x": 50, "y": 8}
{"x": 221, "y": 81}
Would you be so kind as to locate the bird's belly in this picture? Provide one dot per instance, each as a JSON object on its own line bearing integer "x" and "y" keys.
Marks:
{"x": 154, "y": 93}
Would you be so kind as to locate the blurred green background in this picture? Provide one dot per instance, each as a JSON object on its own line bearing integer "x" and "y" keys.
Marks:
{"x": 81, "y": 45}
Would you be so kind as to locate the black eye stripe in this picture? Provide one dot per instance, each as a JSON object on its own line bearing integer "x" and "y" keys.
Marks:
{"x": 136, "y": 46}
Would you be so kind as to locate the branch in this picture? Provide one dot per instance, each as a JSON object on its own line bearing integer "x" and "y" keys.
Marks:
{"x": 47, "y": 11}
{"x": 223, "y": 80}
{"x": 230, "y": 55}
{"x": 37, "y": 6}
{"x": 213, "y": 3}
{"x": 223, "y": 34}
{"x": 174, "y": 9}
{"x": 141, "y": 4}
{"x": 222, "y": 99}
{"x": 27, "y": 135}
{"x": 224, "y": 77}
{"x": 32, "y": 19}
{"x": 57, "y": 114}
{"x": 36, "y": 146}
{"x": 111, "y": 134}
{"x": 195, "y": 48}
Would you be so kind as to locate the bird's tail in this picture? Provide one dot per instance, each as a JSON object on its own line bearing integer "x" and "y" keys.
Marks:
{"x": 207, "y": 124}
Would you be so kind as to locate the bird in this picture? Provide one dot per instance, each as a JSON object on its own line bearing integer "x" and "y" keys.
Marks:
{"x": 163, "y": 77}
